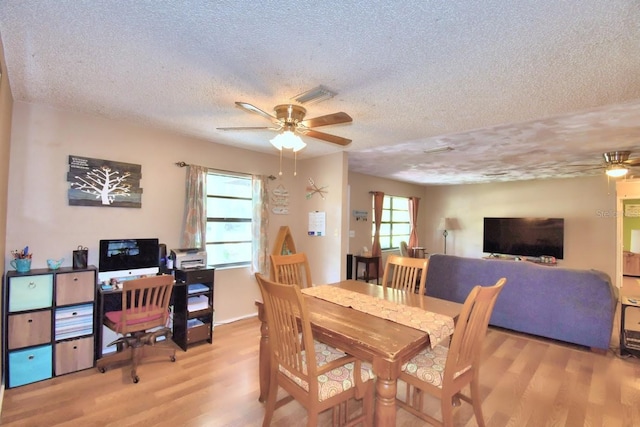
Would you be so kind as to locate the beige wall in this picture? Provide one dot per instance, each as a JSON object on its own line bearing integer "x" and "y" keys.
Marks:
{"x": 6, "y": 107}
{"x": 361, "y": 200}
{"x": 38, "y": 214}
{"x": 588, "y": 206}
{"x": 324, "y": 252}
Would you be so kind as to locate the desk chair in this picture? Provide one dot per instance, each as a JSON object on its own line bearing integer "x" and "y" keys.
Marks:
{"x": 329, "y": 381}
{"x": 291, "y": 269}
{"x": 442, "y": 372}
{"x": 145, "y": 305}
{"x": 405, "y": 273}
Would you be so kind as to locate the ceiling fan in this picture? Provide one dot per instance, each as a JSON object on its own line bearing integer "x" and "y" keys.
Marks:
{"x": 617, "y": 163}
{"x": 290, "y": 117}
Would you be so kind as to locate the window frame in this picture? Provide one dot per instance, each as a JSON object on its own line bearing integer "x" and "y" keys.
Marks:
{"x": 227, "y": 219}
{"x": 390, "y": 200}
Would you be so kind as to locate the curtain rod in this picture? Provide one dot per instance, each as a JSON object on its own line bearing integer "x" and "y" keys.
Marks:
{"x": 183, "y": 164}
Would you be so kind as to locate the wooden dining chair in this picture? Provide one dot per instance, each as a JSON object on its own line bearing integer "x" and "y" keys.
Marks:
{"x": 443, "y": 372}
{"x": 291, "y": 269}
{"x": 405, "y": 273}
{"x": 142, "y": 319}
{"x": 318, "y": 376}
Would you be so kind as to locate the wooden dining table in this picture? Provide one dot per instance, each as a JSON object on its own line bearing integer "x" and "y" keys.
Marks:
{"x": 387, "y": 345}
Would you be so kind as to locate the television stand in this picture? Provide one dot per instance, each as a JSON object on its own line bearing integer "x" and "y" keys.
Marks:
{"x": 535, "y": 260}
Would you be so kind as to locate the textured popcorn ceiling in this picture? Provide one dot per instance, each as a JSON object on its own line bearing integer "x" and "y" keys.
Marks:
{"x": 517, "y": 89}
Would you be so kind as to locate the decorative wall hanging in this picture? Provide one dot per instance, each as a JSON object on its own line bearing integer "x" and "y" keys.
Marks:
{"x": 314, "y": 189}
{"x": 280, "y": 200}
{"x": 96, "y": 182}
{"x": 361, "y": 215}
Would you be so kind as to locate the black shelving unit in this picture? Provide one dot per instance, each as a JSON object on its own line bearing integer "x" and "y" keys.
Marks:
{"x": 193, "y": 312}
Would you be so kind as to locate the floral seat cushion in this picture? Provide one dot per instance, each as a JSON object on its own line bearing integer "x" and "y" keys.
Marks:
{"x": 335, "y": 381}
{"x": 428, "y": 365}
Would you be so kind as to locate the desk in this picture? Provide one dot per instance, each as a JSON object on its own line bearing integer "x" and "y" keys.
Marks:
{"x": 383, "y": 343}
{"x": 187, "y": 327}
{"x": 368, "y": 260}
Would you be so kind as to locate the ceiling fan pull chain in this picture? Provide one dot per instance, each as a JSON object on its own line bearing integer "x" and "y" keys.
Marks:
{"x": 280, "y": 174}
{"x": 295, "y": 162}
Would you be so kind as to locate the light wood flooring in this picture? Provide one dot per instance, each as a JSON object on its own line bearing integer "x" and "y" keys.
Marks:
{"x": 525, "y": 382}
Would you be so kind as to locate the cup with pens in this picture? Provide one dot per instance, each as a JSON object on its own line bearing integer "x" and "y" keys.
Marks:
{"x": 21, "y": 260}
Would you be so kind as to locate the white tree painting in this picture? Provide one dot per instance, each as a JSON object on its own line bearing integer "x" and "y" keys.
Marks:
{"x": 96, "y": 182}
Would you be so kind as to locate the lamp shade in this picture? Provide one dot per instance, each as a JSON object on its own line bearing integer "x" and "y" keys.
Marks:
{"x": 635, "y": 241}
{"x": 447, "y": 224}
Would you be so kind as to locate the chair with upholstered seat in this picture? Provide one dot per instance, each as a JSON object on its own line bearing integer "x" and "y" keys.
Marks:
{"x": 443, "y": 372}
{"x": 291, "y": 269}
{"x": 405, "y": 273}
{"x": 142, "y": 320}
{"x": 318, "y": 376}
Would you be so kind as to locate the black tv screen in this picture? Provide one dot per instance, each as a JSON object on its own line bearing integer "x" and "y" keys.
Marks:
{"x": 128, "y": 254}
{"x": 533, "y": 237}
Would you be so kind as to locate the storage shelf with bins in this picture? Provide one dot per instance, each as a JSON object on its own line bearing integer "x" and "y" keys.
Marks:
{"x": 193, "y": 312}
{"x": 49, "y": 318}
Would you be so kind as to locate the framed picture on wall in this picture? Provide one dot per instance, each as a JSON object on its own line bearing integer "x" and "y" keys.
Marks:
{"x": 104, "y": 183}
{"x": 632, "y": 210}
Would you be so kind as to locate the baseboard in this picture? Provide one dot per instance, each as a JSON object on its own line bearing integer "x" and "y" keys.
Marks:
{"x": 235, "y": 319}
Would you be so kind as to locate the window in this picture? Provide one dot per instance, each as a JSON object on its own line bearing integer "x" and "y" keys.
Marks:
{"x": 394, "y": 226}
{"x": 229, "y": 214}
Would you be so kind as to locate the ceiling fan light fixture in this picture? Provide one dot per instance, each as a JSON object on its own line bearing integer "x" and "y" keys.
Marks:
{"x": 288, "y": 140}
{"x": 616, "y": 171}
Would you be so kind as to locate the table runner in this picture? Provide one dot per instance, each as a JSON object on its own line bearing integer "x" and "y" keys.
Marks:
{"x": 438, "y": 326}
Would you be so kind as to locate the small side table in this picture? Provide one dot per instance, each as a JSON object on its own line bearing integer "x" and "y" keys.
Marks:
{"x": 368, "y": 260}
{"x": 629, "y": 326}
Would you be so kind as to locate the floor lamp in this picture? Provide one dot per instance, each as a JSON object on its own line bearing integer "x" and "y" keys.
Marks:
{"x": 446, "y": 224}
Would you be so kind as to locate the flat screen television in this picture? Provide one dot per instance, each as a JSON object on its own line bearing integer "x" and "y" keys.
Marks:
{"x": 532, "y": 237}
{"x": 128, "y": 258}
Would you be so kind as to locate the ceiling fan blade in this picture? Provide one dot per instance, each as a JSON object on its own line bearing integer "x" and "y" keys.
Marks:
{"x": 248, "y": 128}
{"x": 253, "y": 109}
{"x": 632, "y": 162}
{"x": 325, "y": 136}
{"x": 329, "y": 119}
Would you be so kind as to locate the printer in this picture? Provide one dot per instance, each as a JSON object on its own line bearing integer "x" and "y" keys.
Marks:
{"x": 189, "y": 258}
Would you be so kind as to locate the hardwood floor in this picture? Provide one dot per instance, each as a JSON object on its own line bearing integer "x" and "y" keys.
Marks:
{"x": 525, "y": 382}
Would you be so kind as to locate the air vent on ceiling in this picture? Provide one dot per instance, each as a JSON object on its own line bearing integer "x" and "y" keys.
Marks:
{"x": 314, "y": 95}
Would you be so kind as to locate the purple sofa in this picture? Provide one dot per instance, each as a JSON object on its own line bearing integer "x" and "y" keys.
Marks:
{"x": 575, "y": 306}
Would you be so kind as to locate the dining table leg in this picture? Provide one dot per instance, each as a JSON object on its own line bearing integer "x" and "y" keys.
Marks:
{"x": 265, "y": 360}
{"x": 386, "y": 389}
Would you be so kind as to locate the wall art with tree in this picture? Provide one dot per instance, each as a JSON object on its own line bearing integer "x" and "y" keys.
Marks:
{"x": 97, "y": 182}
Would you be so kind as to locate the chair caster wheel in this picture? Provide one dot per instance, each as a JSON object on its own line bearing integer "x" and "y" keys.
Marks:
{"x": 136, "y": 379}
{"x": 173, "y": 358}
{"x": 102, "y": 370}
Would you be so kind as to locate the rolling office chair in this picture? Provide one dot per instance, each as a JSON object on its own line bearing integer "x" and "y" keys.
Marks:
{"x": 145, "y": 306}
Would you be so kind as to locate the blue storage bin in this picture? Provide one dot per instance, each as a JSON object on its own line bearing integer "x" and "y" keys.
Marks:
{"x": 30, "y": 365}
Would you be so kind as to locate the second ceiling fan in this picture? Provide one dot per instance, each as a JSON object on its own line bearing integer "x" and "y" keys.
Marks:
{"x": 290, "y": 117}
